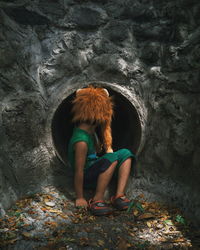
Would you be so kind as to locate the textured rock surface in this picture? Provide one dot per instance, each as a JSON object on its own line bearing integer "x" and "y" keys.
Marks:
{"x": 150, "y": 48}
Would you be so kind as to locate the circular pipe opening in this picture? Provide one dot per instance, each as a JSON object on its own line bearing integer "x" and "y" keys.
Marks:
{"x": 126, "y": 127}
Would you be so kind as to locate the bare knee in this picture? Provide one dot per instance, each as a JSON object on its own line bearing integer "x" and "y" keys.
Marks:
{"x": 126, "y": 164}
{"x": 112, "y": 167}
{"x": 114, "y": 163}
{"x": 127, "y": 161}
{"x": 110, "y": 170}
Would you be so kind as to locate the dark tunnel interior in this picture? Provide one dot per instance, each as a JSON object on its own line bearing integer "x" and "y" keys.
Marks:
{"x": 126, "y": 127}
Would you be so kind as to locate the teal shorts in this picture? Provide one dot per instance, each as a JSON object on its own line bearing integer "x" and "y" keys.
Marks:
{"x": 102, "y": 163}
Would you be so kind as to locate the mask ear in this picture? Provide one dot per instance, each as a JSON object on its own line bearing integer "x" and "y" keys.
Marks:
{"x": 107, "y": 93}
{"x": 78, "y": 91}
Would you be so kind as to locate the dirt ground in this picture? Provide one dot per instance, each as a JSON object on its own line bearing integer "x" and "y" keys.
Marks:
{"x": 48, "y": 220}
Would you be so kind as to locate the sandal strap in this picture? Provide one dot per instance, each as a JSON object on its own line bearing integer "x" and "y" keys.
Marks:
{"x": 119, "y": 196}
{"x": 91, "y": 202}
{"x": 99, "y": 207}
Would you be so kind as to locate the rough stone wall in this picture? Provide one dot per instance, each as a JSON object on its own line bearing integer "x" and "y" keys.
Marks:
{"x": 152, "y": 48}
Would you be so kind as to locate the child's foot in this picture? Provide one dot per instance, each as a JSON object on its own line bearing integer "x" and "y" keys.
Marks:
{"x": 99, "y": 207}
{"x": 120, "y": 202}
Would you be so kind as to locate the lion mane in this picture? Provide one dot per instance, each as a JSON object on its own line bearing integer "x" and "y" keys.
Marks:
{"x": 93, "y": 105}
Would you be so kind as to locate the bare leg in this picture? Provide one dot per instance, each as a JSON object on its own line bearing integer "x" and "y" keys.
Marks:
{"x": 103, "y": 181}
{"x": 123, "y": 175}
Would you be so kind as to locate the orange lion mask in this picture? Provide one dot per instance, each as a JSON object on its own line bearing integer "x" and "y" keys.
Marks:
{"x": 94, "y": 105}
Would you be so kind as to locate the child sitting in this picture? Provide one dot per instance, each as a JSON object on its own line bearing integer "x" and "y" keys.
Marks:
{"x": 93, "y": 110}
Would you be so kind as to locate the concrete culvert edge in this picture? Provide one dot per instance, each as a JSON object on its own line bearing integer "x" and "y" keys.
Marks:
{"x": 126, "y": 125}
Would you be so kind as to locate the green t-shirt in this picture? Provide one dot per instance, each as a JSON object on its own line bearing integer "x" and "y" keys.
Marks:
{"x": 77, "y": 136}
{"x": 81, "y": 135}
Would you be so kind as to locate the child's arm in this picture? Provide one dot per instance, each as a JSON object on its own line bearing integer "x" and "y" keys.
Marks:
{"x": 80, "y": 158}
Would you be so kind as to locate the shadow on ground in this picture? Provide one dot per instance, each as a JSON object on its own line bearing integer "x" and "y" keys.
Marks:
{"x": 48, "y": 220}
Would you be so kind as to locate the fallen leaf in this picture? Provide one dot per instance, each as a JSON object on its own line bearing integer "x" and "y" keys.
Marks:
{"x": 132, "y": 234}
{"x": 141, "y": 196}
{"x": 10, "y": 235}
{"x": 54, "y": 211}
{"x": 176, "y": 240}
{"x": 44, "y": 209}
{"x": 145, "y": 216}
{"x": 101, "y": 242}
{"x": 63, "y": 216}
{"x": 8, "y": 242}
{"x": 171, "y": 232}
{"x": 26, "y": 234}
{"x": 88, "y": 230}
{"x": 159, "y": 226}
{"x": 162, "y": 239}
{"x": 51, "y": 223}
{"x": 135, "y": 212}
{"x": 152, "y": 210}
{"x": 48, "y": 197}
{"x": 84, "y": 241}
{"x": 168, "y": 222}
{"x": 122, "y": 244}
{"x": 149, "y": 224}
{"x": 31, "y": 212}
{"x": 68, "y": 239}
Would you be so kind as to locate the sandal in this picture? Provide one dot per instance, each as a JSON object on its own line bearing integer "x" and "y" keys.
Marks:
{"x": 99, "y": 207}
{"x": 120, "y": 202}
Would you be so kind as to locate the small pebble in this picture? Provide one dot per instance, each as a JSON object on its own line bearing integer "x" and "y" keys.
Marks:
{"x": 82, "y": 234}
{"x": 50, "y": 204}
{"x": 118, "y": 230}
{"x": 159, "y": 226}
{"x": 4, "y": 230}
